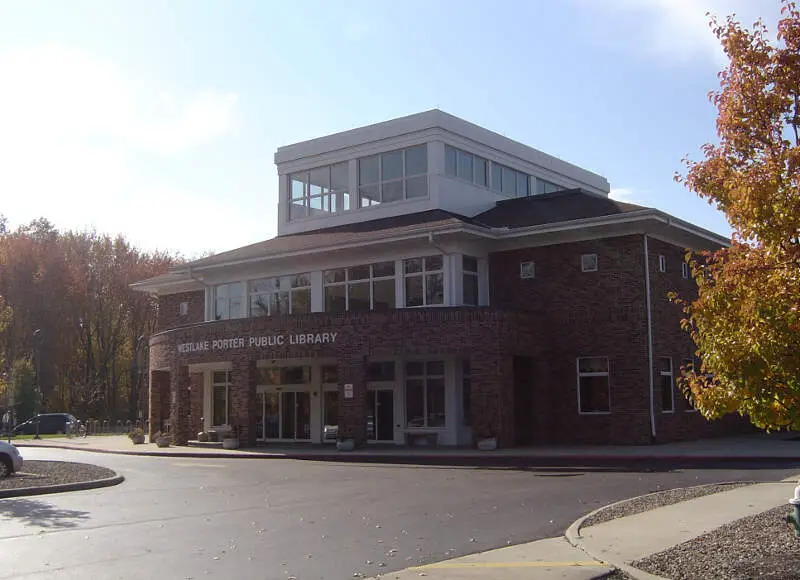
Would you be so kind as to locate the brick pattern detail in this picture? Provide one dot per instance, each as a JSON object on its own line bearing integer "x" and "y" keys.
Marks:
{"x": 179, "y": 415}
{"x": 169, "y": 309}
{"x": 196, "y": 380}
{"x": 243, "y": 398}
{"x": 353, "y": 412}
{"x": 159, "y": 408}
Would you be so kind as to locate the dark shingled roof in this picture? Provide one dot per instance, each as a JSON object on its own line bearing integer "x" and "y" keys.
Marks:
{"x": 549, "y": 208}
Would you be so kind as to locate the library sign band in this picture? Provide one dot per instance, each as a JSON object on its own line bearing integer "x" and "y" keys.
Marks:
{"x": 258, "y": 341}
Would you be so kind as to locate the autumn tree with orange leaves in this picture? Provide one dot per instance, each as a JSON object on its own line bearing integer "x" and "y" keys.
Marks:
{"x": 746, "y": 318}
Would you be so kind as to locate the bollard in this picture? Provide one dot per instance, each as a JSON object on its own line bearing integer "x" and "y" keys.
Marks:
{"x": 794, "y": 516}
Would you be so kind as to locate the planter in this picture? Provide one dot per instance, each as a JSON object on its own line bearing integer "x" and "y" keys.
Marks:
{"x": 346, "y": 445}
{"x": 137, "y": 439}
{"x": 230, "y": 443}
{"x": 162, "y": 441}
{"x": 488, "y": 444}
{"x": 202, "y": 437}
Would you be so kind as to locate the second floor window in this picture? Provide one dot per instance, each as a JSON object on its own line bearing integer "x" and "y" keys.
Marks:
{"x": 509, "y": 181}
{"x": 470, "y": 268}
{"x": 424, "y": 281}
{"x": 282, "y": 295}
{"x": 368, "y": 287}
{"x": 228, "y": 301}
{"x": 319, "y": 191}
{"x": 393, "y": 176}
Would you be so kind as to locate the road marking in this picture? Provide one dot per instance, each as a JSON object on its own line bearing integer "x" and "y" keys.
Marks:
{"x": 187, "y": 464}
{"x": 508, "y": 564}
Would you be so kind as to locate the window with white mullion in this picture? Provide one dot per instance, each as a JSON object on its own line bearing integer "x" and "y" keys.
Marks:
{"x": 393, "y": 176}
{"x": 321, "y": 190}
{"x": 424, "y": 281}
{"x": 667, "y": 388}
{"x": 469, "y": 273}
{"x": 425, "y": 394}
{"x": 594, "y": 386}
{"x": 367, "y": 287}
{"x": 228, "y": 301}
{"x": 280, "y": 295}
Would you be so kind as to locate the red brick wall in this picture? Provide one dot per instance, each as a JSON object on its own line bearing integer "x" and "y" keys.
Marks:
{"x": 196, "y": 404}
{"x": 169, "y": 309}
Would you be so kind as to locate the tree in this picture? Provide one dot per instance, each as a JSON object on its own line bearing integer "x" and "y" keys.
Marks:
{"x": 23, "y": 383}
{"x": 745, "y": 320}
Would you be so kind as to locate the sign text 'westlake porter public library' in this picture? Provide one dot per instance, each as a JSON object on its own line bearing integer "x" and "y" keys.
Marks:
{"x": 258, "y": 341}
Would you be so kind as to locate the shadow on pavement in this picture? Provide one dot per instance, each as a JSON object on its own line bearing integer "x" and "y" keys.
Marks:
{"x": 40, "y": 513}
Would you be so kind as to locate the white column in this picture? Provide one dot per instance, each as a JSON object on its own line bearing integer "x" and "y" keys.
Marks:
{"x": 317, "y": 292}
{"x": 457, "y": 279}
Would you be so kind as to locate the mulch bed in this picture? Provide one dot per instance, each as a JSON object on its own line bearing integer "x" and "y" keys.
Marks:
{"x": 40, "y": 473}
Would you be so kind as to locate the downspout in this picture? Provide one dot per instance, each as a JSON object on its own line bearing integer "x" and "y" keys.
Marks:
{"x": 649, "y": 339}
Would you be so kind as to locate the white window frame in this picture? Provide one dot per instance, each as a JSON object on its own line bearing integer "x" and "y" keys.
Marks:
{"x": 684, "y": 270}
{"x": 347, "y": 282}
{"x": 664, "y": 375}
{"x": 215, "y": 298}
{"x": 402, "y": 179}
{"x": 473, "y": 179}
{"x": 335, "y": 197}
{"x": 662, "y": 263}
{"x": 543, "y": 186}
{"x": 695, "y": 366}
{"x": 527, "y": 270}
{"x": 289, "y": 280}
{"x": 227, "y": 384}
{"x": 425, "y": 376}
{"x": 424, "y": 273}
{"x": 587, "y": 266}
{"x": 581, "y": 375}
{"x": 498, "y": 188}
{"x": 472, "y": 274}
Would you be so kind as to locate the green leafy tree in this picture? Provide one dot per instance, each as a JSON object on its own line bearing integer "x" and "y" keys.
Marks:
{"x": 23, "y": 383}
{"x": 745, "y": 320}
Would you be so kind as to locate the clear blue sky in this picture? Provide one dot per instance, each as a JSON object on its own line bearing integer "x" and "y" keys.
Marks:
{"x": 159, "y": 119}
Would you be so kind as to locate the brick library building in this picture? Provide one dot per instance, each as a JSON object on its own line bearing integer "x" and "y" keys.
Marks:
{"x": 433, "y": 283}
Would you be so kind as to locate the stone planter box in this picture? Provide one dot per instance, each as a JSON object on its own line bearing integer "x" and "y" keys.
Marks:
{"x": 488, "y": 444}
{"x": 163, "y": 441}
{"x": 230, "y": 443}
{"x": 137, "y": 439}
{"x": 346, "y": 445}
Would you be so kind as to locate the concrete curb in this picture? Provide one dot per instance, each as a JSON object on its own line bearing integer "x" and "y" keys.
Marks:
{"x": 62, "y": 487}
{"x": 573, "y": 533}
{"x": 485, "y": 459}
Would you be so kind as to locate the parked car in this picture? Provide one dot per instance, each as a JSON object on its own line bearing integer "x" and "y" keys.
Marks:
{"x": 10, "y": 459}
{"x": 48, "y": 424}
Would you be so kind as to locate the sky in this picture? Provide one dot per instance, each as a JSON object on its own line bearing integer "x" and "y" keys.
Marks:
{"x": 159, "y": 119}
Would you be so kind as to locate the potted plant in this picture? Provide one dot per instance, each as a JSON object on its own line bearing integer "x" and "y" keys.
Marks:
{"x": 231, "y": 439}
{"x": 162, "y": 440}
{"x": 202, "y": 437}
{"x": 136, "y": 436}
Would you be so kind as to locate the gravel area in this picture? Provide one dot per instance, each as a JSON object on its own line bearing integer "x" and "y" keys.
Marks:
{"x": 656, "y": 500}
{"x": 39, "y": 473}
{"x": 760, "y": 546}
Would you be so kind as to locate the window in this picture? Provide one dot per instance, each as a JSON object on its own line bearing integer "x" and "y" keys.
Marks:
{"x": 393, "y": 176}
{"x": 466, "y": 166}
{"x": 424, "y": 279}
{"x": 221, "y": 388}
{"x": 228, "y": 301}
{"x": 544, "y": 186}
{"x": 527, "y": 270}
{"x": 319, "y": 191}
{"x": 662, "y": 263}
{"x": 380, "y": 371}
{"x": 470, "y": 268}
{"x": 466, "y": 392}
{"x": 368, "y": 287}
{"x": 281, "y": 295}
{"x": 183, "y": 309}
{"x": 425, "y": 394}
{"x": 594, "y": 390}
{"x": 330, "y": 374}
{"x": 667, "y": 391}
{"x": 278, "y": 376}
{"x": 688, "y": 365}
{"x": 684, "y": 270}
{"x": 589, "y": 263}
{"x": 509, "y": 181}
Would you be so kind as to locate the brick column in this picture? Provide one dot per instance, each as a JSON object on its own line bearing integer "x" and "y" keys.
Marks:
{"x": 353, "y": 412}
{"x": 197, "y": 382}
{"x": 179, "y": 417}
{"x": 243, "y": 399}
{"x": 158, "y": 401}
{"x": 492, "y": 398}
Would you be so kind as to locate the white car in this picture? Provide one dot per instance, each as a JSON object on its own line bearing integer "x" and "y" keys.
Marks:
{"x": 10, "y": 459}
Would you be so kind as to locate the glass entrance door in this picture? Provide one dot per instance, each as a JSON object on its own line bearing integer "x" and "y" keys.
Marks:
{"x": 380, "y": 415}
{"x": 285, "y": 416}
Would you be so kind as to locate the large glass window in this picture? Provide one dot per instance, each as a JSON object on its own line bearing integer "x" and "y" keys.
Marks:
{"x": 319, "y": 191}
{"x": 281, "y": 295}
{"x": 466, "y": 166}
{"x": 393, "y": 176}
{"x": 279, "y": 376}
{"x": 509, "y": 181}
{"x": 368, "y": 287}
{"x": 594, "y": 391}
{"x": 220, "y": 404}
{"x": 470, "y": 275}
{"x": 424, "y": 281}
{"x": 667, "y": 390}
{"x": 544, "y": 186}
{"x": 425, "y": 394}
{"x": 228, "y": 301}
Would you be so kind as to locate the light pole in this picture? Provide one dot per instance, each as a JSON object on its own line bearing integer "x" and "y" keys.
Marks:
{"x": 38, "y": 335}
